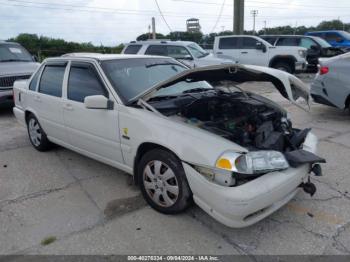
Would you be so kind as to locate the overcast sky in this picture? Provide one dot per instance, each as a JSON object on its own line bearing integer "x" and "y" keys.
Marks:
{"x": 111, "y": 22}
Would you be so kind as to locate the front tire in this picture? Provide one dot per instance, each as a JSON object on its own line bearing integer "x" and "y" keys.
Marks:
{"x": 163, "y": 182}
{"x": 283, "y": 66}
{"x": 37, "y": 135}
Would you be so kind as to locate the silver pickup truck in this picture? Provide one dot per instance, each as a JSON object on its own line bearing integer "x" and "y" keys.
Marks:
{"x": 15, "y": 63}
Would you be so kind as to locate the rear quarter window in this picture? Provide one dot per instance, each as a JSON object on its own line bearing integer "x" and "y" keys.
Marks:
{"x": 34, "y": 82}
{"x": 132, "y": 49}
{"x": 52, "y": 80}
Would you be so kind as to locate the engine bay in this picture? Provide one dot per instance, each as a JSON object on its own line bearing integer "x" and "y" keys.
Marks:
{"x": 247, "y": 119}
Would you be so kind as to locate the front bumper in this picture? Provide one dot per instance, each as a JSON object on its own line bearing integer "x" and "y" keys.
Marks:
{"x": 300, "y": 66}
{"x": 247, "y": 204}
{"x": 6, "y": 95}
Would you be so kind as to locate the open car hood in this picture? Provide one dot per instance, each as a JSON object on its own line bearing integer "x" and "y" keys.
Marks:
{"x": 288, "y": 85}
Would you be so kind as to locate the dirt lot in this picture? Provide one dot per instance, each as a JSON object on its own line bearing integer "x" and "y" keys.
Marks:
{"x": 63, "y": 203}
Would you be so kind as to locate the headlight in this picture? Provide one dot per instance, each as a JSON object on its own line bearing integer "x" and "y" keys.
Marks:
{"x": 252, "y": 162}
{"x": 302, "y": 53}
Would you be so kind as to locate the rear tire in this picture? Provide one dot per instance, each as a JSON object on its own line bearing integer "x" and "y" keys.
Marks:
{"x": 163, "y": 182}
{"x": 37, "y": 135}
{"x": 283, "y": 66}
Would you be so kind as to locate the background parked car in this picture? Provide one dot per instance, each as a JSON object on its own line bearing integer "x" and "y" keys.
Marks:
{"x": 253, "y": 50}
{"x": 316, "y": 46}
{"x": 15, "y": 63}
{"x": 332, "y": 84}
{"x": 188, "y": 53}
{"x": 336, "y": 38}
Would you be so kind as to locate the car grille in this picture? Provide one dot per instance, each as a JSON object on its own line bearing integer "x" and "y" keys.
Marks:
{"x": 8, "y": 81}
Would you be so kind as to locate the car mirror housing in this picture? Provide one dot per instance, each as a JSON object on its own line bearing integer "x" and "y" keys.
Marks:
{"x": 260, "y": 46}
{"x": 98, "y": 102}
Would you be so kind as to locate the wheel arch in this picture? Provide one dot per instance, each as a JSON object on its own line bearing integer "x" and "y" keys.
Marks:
{"x": 142, "y": 150}
{"x": 285, "y": 59}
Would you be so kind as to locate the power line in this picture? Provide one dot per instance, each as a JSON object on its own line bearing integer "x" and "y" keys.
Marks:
{"x": 160, "y": 11}
{"x": 219, "y": 16}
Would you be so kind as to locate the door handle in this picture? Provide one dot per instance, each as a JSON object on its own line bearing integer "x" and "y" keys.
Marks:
{"x": 244, "y": 52}
{"x": 68, "y": 107}
{"x": 219, "y": 53}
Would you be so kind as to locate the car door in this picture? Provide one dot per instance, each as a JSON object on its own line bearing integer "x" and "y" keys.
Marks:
{"x": 94, "y": 131}
{"x": 47, "y": 101}
{"x": 250, "y": 55}
{"x": 228, "y": 48}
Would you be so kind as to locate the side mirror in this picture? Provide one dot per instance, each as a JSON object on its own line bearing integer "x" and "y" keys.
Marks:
{"x": 35, "y": 58}
{"x": 314, "y": 47}
{"x": 260, "y": 46}
{"x": 98, "y": 102}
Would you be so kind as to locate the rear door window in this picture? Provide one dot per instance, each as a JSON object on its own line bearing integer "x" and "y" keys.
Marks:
{"x": 52, "y": 80}
{"x": 84, "y": 81}
{"x": 288, "y": 41}
{"x": 132, "y": 49}
{"x": 157, "y": 50}
{"x": 228, "y": 43}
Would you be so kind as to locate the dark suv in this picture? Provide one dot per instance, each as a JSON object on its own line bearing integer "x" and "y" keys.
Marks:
{"x": 316, "y": 46}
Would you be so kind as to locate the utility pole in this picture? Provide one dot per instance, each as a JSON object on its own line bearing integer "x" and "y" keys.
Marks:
{"x": 238, "y": 17}
{"x": 153, "y": 28}
{"x": 265, "y": 27}
{"x": 254, "y": 13}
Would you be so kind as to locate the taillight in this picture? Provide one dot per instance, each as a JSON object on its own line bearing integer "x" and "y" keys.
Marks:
{"x": 324, "y": 70}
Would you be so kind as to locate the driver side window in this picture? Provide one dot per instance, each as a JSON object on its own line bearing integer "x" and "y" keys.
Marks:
{"x": 178, "y": 52}
{"x": 307, "y": 43}
{"x": 84, "y": 81}
{"x": 249, "y": 43}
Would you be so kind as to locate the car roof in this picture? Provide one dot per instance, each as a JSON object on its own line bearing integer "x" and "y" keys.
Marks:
{"x": 6, "y": 42}
{"x": 160, "y": 42}
{"x": 100, "y": 57}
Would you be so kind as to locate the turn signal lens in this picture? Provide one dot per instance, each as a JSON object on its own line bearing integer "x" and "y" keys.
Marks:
{"x": 224, "y": 163}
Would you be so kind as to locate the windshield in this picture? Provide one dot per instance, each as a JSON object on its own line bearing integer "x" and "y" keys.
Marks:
{"x": 345, "y": 34}
{"x": 197, "y": 51}
{"x": 14, "y": 53}
{"x": 323, "y": 43}
{"x": 132, "y": 77}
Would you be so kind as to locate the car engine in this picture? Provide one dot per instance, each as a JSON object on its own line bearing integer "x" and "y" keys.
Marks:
{"x": 243, "y": 118}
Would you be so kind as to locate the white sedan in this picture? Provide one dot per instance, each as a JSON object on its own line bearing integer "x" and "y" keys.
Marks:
{"x": 183, "y": 134}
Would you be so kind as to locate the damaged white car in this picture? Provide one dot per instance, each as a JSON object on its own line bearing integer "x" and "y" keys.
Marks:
{"x": 183, "y": 134}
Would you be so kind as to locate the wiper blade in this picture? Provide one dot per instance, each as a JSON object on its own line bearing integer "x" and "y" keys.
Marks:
{"x": 159, "y": 98}
{"x": 157, "y": 64}
{"x": 196, "y": 90}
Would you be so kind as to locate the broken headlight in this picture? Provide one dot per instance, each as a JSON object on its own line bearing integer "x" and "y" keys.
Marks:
{"x": 258, "y": 162}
